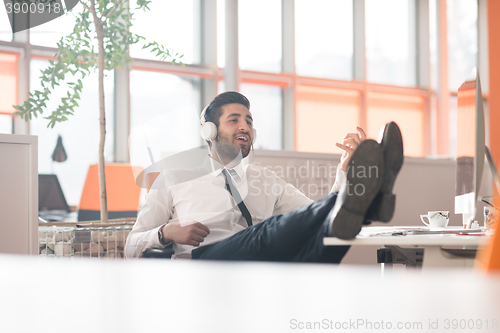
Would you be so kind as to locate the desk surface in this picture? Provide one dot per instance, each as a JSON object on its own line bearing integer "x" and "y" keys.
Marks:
{"x": 99, "y": 295}
{"x": 409, "y": 240}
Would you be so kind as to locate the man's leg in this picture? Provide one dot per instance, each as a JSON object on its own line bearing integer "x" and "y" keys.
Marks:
{"x": 365, "y": 176}
{"x": 281, "y": 238}
{"x": 298, "y": 235}
{"x": 371, "y": 174}
{"x": 391, "y": 140}
{"x": 314, "y": 250}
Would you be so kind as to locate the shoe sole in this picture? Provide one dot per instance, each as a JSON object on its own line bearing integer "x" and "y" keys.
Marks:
{"x": 382, "y": 208}
{"x": 347, "y": 222}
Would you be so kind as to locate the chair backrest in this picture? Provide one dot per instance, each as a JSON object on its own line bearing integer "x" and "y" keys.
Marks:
{"x": 150, "y": 179}
{"x": 488, "y": 258}
{"x": 166, "y": 252}
{"x": 122, "y": 192}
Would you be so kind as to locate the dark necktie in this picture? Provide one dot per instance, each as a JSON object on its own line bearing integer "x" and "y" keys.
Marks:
{"x": 237, "y": 197}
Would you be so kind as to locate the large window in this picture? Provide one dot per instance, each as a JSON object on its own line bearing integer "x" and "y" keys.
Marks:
{"x": 406, "y": 111}
{"x": 346, "y": 65}
{"x": 5, "y": 28}
{"x": 267, "y": 109}
{"x": 9, "y": 69}
{"x": 173, "y": 23}
{"x": 80, "y": 133}
{"x": 5, "y": 124}
{"x": 462, "y": 41}
{"x": 48, "y": 34}
{"x": 9, "y": 64}
{"x": 391, "y": 42}
{"x": 260, "y": 35}
{"x": 324, "y": 115}
{"x": 165, "y": 115}
{"x": 324, "y": 45}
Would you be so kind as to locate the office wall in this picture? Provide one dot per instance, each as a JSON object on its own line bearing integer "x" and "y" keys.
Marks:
{"x": 18, "y": 194}
{"x": 422, "y": 185}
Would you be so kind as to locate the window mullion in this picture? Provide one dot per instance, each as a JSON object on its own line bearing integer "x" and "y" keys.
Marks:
{"x": 359, "y": 56}
{"x": 442, "y": 138}
{"x": 424, "y": 66}
{"x": 359, "y": 60}
{"x": 288, "y": 52}
{"x": 231, "y": 69}
{"x": 423, "y": 46}
{"x": 121, "y": 112}
{"x": 208, "y": 41}
{"x": 20, "y": 126}
{"x": 482, "y": 31}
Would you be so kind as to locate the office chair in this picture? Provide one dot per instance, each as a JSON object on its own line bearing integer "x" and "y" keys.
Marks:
{"x": 150, "y": 179}
{"x": 488, "y": 258}
{"x": 167, "y": 252}
{"x": 122, "y": 192}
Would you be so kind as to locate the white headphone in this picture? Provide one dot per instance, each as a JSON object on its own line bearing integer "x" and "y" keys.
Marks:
{"x": 208, "y": 130}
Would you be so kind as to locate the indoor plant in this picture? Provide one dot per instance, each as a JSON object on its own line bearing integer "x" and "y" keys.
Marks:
{"x": 99, "y": 41}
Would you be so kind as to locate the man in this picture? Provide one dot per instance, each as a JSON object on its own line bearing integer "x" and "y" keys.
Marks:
{"x": 225, "y": 211}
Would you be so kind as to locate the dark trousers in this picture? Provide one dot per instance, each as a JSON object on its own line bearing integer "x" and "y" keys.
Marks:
{"x": 296, "y": 236}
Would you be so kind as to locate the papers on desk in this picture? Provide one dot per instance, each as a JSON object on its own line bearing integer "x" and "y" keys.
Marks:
{"x": 403, "y": 231}
{"x": 457, "y": 231}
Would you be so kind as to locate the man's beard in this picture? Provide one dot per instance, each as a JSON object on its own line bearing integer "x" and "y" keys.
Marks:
{"x": 229, "y": 151}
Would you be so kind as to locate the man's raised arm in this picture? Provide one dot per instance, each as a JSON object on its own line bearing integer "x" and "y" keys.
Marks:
{"x": 349, "y": 144}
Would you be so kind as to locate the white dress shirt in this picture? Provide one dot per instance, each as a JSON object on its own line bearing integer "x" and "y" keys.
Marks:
{"x": 198, "y": 195}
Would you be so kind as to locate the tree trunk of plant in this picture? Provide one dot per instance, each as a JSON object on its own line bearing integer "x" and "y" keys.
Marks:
{"x": 102, "y": 121}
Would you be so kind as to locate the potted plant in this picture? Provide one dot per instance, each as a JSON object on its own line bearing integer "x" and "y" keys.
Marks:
{"x": 100, "y": 41}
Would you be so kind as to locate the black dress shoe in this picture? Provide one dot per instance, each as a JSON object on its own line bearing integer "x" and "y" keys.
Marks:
{"x": 382, "y": 208}
{"x": 365, "y": 174}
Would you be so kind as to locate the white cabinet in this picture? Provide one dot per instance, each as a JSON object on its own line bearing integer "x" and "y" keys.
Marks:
{"x": 18, "y": 194}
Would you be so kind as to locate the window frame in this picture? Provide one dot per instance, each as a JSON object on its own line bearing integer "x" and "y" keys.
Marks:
{"x": 437, "y": 142}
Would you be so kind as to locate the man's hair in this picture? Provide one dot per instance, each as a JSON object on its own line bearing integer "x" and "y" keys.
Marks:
{"x": 214, "y": 109}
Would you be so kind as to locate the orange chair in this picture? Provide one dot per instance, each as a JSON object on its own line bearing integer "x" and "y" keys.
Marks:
{"x": 488, "y": 258}
{"x": 150, "y": 179}
{"x": 122, "y": 192}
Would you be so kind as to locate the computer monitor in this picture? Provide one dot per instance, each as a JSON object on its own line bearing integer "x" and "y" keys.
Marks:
{"x": 471, "y": 149}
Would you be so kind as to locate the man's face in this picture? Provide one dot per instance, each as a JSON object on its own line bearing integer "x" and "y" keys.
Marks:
{"x": 236, "y": 128}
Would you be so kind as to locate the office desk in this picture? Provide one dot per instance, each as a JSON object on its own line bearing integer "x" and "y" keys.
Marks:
{"x": 89, "y": 296}
{"x": 434, "y": 256}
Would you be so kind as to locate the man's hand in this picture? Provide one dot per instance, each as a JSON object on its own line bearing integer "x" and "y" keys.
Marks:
{"x": 349, "y": 144}
{"x": 192, "y": 234}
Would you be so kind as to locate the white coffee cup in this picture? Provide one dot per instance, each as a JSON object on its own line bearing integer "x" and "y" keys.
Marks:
{"x": 437, "y": 219}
